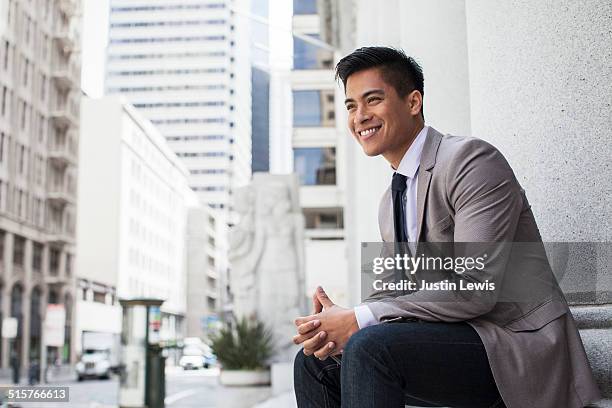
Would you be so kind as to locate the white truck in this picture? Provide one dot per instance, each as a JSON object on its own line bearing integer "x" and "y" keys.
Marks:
{"x": 100, "y": 356}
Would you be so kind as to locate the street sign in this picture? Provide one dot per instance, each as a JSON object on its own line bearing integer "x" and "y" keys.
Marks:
{"x": 54, "y": 326}
{"x": 9, "y": 327}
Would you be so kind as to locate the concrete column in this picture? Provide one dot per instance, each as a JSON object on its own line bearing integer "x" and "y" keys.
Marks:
{"x": 6, "y": 309}
{"x": 6, "y": 301}
{"x": 540, "y": 86}
{"x": 540, "y": 91}
{"x": 25, "y": 331}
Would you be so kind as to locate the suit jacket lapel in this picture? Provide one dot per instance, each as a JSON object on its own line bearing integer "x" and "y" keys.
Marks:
{"x": 428, "y": 161}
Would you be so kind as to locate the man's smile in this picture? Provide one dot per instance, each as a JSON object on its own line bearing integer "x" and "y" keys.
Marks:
{"x": 365, "y": 134}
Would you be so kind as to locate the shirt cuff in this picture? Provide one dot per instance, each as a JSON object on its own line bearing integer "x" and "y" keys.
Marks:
{"x": 364, "y": 316}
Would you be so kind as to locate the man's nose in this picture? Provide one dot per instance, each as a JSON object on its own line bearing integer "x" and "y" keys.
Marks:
{"x": 362, "y": 115}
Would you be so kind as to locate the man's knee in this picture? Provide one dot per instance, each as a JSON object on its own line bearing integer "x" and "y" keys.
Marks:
{"x": 299, "y": 361}
{"x": 368, "y": 341}
{"x": 302, "y": 364}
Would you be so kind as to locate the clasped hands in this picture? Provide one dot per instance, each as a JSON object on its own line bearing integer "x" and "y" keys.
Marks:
{"x": 327, "y": 330}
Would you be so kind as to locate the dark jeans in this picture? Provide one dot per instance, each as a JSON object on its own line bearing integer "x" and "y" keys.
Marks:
{"x": 393, "y": 364}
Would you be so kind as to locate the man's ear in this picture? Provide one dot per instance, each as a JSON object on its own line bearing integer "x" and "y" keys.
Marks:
{"x": 414, "y": 102}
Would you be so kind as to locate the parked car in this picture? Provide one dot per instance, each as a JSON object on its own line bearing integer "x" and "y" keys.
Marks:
{"x": 192, "y": 359}
{"x": 94, "y": 364}
{"x": 194, "y": 347}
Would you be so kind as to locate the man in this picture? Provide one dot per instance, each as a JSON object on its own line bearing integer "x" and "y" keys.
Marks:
{"x": 397, "y": 349}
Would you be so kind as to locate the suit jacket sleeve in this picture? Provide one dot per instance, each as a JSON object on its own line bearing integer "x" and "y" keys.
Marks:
{"x": 487, "y": 202}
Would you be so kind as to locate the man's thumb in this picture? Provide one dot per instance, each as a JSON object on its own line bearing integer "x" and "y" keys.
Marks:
{"x": 323, "y": 298}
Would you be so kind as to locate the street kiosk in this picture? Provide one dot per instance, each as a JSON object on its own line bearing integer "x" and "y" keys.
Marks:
{"x": 142, "y": 379}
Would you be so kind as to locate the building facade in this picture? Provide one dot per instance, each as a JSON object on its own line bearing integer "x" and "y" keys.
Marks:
{"x": 186, "y": 66}
{"x": 39, "y": 119}
{"x": 204, "y": 273}
{"x": 313, "y": 148}
{"x": 134, "y": 201}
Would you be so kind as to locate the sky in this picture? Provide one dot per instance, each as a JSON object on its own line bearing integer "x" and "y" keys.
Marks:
{"x": 94, "y": 38}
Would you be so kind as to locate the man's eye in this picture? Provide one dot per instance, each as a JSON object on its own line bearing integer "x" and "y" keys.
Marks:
{"x": 370, "y": 100}
{"x": 350, "y": 107}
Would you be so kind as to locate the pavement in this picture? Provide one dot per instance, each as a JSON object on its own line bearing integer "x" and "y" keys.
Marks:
{"x": 184, "y": 389}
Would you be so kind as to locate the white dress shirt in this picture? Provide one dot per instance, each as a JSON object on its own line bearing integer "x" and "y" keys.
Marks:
{"x": 409, "y": 167}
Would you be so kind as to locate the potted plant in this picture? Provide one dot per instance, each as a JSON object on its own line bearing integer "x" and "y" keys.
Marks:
{"x": 243, "y": 351}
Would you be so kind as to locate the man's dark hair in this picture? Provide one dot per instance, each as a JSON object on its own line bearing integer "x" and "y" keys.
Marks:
{"x": 400, "y": 71}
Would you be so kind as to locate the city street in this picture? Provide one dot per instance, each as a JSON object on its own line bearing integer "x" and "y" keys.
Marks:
{"x": 184, "y": 389}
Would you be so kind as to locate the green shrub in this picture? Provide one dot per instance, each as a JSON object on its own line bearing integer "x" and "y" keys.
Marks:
{"x": 247, "y": 346}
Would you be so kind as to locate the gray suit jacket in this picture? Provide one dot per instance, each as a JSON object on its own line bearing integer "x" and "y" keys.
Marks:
{"x": 467, "y": 192}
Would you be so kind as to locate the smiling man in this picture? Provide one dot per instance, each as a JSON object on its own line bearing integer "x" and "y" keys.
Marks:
{"x": 406, "y": 348}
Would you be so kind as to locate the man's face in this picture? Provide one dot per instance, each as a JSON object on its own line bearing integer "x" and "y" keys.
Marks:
{"x": 378, "y": 118}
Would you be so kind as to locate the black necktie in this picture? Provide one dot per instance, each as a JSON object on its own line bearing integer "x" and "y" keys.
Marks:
{"x": 398, "y": 187}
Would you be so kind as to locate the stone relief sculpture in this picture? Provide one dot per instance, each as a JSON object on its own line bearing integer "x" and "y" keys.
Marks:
{"x": 245, "y": 251}
{"x": 267, "y": 256}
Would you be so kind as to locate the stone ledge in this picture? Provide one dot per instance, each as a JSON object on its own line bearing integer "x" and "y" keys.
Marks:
{"x": 593, "y": 317}
{"x": 595, "y": 325}
{"x": 607, "y": 403}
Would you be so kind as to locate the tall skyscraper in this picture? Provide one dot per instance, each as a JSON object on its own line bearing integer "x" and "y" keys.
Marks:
{"x": 185, "y": 65}
{"x": 39, "y": 117}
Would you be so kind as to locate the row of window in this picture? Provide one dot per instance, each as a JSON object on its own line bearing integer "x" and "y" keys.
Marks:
{"x": 27, "y": 29}
{"x": 179, "y": 104}
{"x": 170, "y": 7}
{"x": 209, "y": 188}
{"x": 166, "y": 88}
{"x": 188, "y": 121}
{"x": 208, "y": 171}
{"x": 201, "y": 154}
{"x": 168, "y": 39}
{"x": 167, "y": 72}
{"x": 19, "y": 244}
{"x": 153, "y": 187}
{"x": 22, "y": 155}
{"x": 191, "y": 138}
{"x": 114, "y": 57}
{"x": 180, "y": 23}
{"x": 150, "y": 238}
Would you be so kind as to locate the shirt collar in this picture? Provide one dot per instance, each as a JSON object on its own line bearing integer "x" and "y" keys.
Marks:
{"x": 412, "y": 158}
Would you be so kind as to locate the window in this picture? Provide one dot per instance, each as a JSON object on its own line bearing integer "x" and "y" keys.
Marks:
{"x": 7, "y": 49}
{"x": 2, "y": 147}
{"x": 2, "y": 235}
{"x": 315, "y": 165}
{"x": 307, "y": 55}
{"x": 168, "y": 39}
{"x": 26, "y": 70}
{"x": 304, "y": 7}
{"x": 324, "y": 218}
{"x": 68, "y": 269}
{"x": 43, "y": 87}
{"x": 313, "y": 108}
{"x": 18, "y": 250}
{"x": 37, "y": 251}
{"x": 4, "y": 100}
{"x": 54, "y": 258}
{"x": 21, "y": 159}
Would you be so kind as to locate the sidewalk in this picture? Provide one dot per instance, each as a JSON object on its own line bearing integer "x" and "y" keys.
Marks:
{"x": 286, "y": 400}
{"x": 61, "y": 374}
